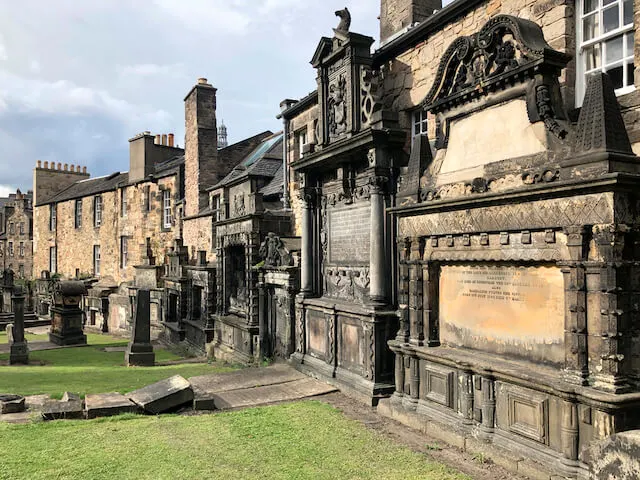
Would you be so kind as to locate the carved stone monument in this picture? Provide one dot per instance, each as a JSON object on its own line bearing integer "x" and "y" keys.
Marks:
{"x": 19, "y": 351}
{"x": 66, "y": 322}
{"x": 140, "y": 351}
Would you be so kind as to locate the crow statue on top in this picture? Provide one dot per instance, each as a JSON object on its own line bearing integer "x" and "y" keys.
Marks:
{"x": 345, "y": 20}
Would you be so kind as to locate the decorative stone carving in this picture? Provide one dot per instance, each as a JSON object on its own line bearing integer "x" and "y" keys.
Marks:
{"x": 274, "y": 253}
{"x": 337, "y": 106}
{"x": 347, "y": 283}
{"x": 345, "y": 20}
{"x": 239, "y": 208}
{"x": 370, "y": 95}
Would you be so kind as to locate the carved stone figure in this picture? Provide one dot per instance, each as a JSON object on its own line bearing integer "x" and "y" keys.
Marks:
{"x": 274, "y": 252}
{"x": 337, "y": 106}
{"x": 345, "y": 20}
{"x": 239, "y": 208}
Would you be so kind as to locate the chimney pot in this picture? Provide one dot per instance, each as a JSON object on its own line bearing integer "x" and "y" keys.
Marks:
{"x": 170, "y": 139}
{"x": 164, "y": 139}
{"x": 202, "y": 81}
{"x": 59, "y": 166}
{"x": 72, "y": 168}
{"x": 66, "y": 167}
{"x": 78, "y": 168}
{"x": 84, "y": 169}
{"x": 46, "y": 164}
{"x": 39, "y": 164}
{"x": 146, "y": 132}
{"x": 158, "y": 140}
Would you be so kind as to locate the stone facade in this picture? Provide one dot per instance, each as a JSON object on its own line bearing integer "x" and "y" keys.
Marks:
{"x": 16, "y": 243}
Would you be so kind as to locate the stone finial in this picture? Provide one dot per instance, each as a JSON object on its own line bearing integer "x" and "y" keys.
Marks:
{"x": 345, "y": 20}
{"x": 600, "y": 125}
{"x": 203, "y": 81}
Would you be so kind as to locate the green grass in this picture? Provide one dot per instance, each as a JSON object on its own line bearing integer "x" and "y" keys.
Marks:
{"x": 305, "y": 440}
{"x": 91, "y": 370}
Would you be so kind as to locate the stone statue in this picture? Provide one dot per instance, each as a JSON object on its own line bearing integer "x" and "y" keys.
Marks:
{"x": 274, "y": 253}
{"x": 345, "y": 20}
{"x": 337, "y": 106}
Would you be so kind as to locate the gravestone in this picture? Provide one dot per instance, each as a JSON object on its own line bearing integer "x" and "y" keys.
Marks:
{"x": 163, "y": 396}
{"x": 11, "y": 404}
{"x": 10, "y": 333}
{"x": 66, "y": 324}
{"x": 140, "y": 351}
{"x": 19, "y": 351}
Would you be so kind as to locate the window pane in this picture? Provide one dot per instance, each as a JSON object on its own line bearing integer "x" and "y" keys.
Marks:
{"x": 617, "y": 77}
{"x": 592, "y": 57}
{"x": 611, "y": 18}
{"x": 614, "y": 50}
{"x": 590, "y": 27}
{"x": 628, "y": 12}
{"x": 590, "y": 5}
{"x": 630, "y": 74}
{"x": 629, "y": 39}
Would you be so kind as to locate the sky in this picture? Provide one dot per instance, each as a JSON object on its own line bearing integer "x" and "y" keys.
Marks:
{"x": 79, "y": 78}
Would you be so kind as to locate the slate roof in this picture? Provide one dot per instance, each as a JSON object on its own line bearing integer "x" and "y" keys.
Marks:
{"x": 275, "y": 186}
{"x": 264, "y": 161}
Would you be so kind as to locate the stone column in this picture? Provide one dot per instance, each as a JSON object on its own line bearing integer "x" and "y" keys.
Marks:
{"x": 140, "y": 351}
{"x": 569, "y": 432}
{"x": 416, "y": 292}
{"x": 403, "y": 334}
{"x": 377, "y": 261}
{"x": 466, "y": 396}
{"x": 252, "y": 258}
{"x": 266, "y": 349}
{"x": 307, "y": 197}
{"x": 488, "y": 407}
{"x": 19, "y": 351}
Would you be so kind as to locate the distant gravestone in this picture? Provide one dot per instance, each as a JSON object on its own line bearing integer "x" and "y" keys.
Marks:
{"x": 140, "y": 351}
{"x": 19, "y": 351}
{"x": 10, "y": 333}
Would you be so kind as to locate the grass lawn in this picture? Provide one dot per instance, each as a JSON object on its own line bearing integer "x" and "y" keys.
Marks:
{"x": 305, "y": 440}
{"x": 90, "y": 370}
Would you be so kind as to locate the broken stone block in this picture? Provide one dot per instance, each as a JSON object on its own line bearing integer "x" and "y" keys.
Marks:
{"x": 58, "y": 410}
{"x": 11, "y": 404}
{"x": 108, "y": 404}
{"x": 70, "y": 397}
{"x": 164, "y": 395}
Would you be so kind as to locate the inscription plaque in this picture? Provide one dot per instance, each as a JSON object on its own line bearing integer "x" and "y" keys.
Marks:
{"x": 349, "y": 234}
{"x": 504, "y": 309}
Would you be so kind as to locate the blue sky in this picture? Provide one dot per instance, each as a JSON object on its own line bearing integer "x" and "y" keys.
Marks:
{"x": 79, "y": 78}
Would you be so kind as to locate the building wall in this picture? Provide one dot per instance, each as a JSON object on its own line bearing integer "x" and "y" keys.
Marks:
{"x": 198, "y": 235}
{"x": 75, "y": 245}
{"x": 20, "y": 214}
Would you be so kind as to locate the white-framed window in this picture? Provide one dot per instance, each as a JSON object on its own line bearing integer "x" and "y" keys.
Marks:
{"x": 302, "y": 141}
{"x": 97, "y": 211}
{"x": 21, "y": 249}
{"x": 147, "y": 198}
{"x": 167, "y": 218}
{"x": 53, "y": 259}
{"x": 124, "y": 251}
{"x": 52, "y": 217}
{"x": 78, "y": 213}
{"x": 605, "y": 43}
{"x": 11, "y": 253}
{"x": 123, "y": 202}
{"x": 418, "y": 123}
{"x": 96, "y": 260}
{"x": 215, "y": 207}
{"x": 21, "y": 270}
{"x": 21, "y": 228}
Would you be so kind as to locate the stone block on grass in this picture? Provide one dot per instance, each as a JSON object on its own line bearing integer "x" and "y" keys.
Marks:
{"x": 163, "y": 396}
{"x": 11, "y": 404}
{"x": 58, "y": 410}
{"x": 70, "y": 397}
{"x": 108, "y": 404}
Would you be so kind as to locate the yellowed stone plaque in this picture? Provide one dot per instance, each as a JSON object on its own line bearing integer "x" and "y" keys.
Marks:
{"x": 511, "y": 310}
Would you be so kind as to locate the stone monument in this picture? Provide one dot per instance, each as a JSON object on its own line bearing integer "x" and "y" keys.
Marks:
{"x": 19, "y": 351}
{"x": 66, "y": 323}
{"x": 140, "y": 351}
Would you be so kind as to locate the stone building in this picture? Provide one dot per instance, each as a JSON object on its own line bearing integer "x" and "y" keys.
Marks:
{"x": 16, "y": 237}
{"x": 482, "y": 160}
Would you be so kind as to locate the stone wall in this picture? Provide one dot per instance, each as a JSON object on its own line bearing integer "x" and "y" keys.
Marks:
{"x": 398, "y": 14}
{"x": 52, "y": 179}
{"x": 198, "y": 235}
{"x": 19, "y": 217}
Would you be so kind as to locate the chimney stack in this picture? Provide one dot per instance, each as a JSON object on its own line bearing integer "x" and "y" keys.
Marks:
{"x": 170, "y": 139}
{"x": 158, "y": 140}
{"x": 164, "y": 139}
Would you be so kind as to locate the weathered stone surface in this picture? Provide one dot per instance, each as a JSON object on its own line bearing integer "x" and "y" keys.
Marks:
{"x": 59, "y": 410}
{"x": 70, "y": 397}
{"x": 140, "y": 351}
{"x": 164, "y": 395}
{"x": 282, "y": 392}
{"x": 11, "y": 404}
{"x": 108, "y": 404}
{"x": 618, "y": 456}
{"x": 205, "y": 387}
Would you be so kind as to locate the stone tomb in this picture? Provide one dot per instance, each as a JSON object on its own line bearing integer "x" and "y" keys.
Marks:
{"x": 517, "y": 274}
{"x": 66, "y": 321}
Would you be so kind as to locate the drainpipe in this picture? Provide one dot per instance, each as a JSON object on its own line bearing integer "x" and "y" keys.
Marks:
{"x": 284, "y": 105}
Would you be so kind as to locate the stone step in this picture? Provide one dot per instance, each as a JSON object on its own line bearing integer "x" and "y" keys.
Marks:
{"x": 268, "y": 394}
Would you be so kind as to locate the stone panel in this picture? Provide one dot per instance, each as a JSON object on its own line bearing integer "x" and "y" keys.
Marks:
{"x": 317, "y": 333}
{"x": 350, "y": 351}
{"x": 504, "y": 309}
{"x": 349, "y": 234}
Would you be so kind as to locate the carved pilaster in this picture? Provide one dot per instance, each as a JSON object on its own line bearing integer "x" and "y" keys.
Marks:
{"x": 300, "y": 327}
{"x": 403, "y": 290}
{"x": 415, "y": 381}
{"x": 488, "y": 406}
{"x": 430, "y": 287}
{"x": 569, "y": 431}
{"x": 377, "y": 260}
{"x": 465, "y": 380}
{"x": 331, "y": 337}
{"x": 399, "y": 374}
{"x": 416, "y": 315}
{"x": 220, "y": 304}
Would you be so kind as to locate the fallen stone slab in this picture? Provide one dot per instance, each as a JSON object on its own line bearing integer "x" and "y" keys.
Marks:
{"x": 164, "y": 395}
{"x": 11, "y": 404}
{"x": 283, "y": 392}
{"x": 36, "y": 402}
{"x": 70, "y": 397}
{"x": 108, "y": 404}
{"x": 206, "y": 386}
{"x": 58, "y": 410}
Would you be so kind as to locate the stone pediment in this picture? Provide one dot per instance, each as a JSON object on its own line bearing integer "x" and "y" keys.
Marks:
{"x": 505, "y": 51}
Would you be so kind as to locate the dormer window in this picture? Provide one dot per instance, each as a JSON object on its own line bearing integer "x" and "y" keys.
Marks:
{"x": 605, "y": 43}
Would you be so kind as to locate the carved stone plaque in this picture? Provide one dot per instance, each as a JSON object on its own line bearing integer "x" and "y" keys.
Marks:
{"x": 509, "y": 310}
{"x": 349, "y": 235}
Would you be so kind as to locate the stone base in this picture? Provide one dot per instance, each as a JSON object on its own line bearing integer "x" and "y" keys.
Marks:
{"x": 140, "y": 356}
{"x": 76, "y": 338}
{"x": 108, "y": 404}
{"x": 11, "y": 404}
{"x": 19, "y": 354}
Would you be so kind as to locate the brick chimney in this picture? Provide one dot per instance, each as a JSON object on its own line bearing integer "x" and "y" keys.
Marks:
{"x": 201, "y": 145}
{"x": 396, "y": 15}
{"x": 141, "y": 158}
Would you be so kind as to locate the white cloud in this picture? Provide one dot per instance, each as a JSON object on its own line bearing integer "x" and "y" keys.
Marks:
{"x": 34, "y": 66}
{"x": 5, "y": 190}
{"x": 151, "y": 69}
{"x": 209, "y": 16}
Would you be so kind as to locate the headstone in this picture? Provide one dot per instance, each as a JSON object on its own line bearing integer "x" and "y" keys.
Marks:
{"x": 11, "y": 404}
{"x": 19, "y": 351}
{"x": 163, "y": 396}
{"x": 66, "y": 322}
{"x": 108, "y": 404}
{"x": 10, "y": 333}
{"x": 140, "y": 351}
